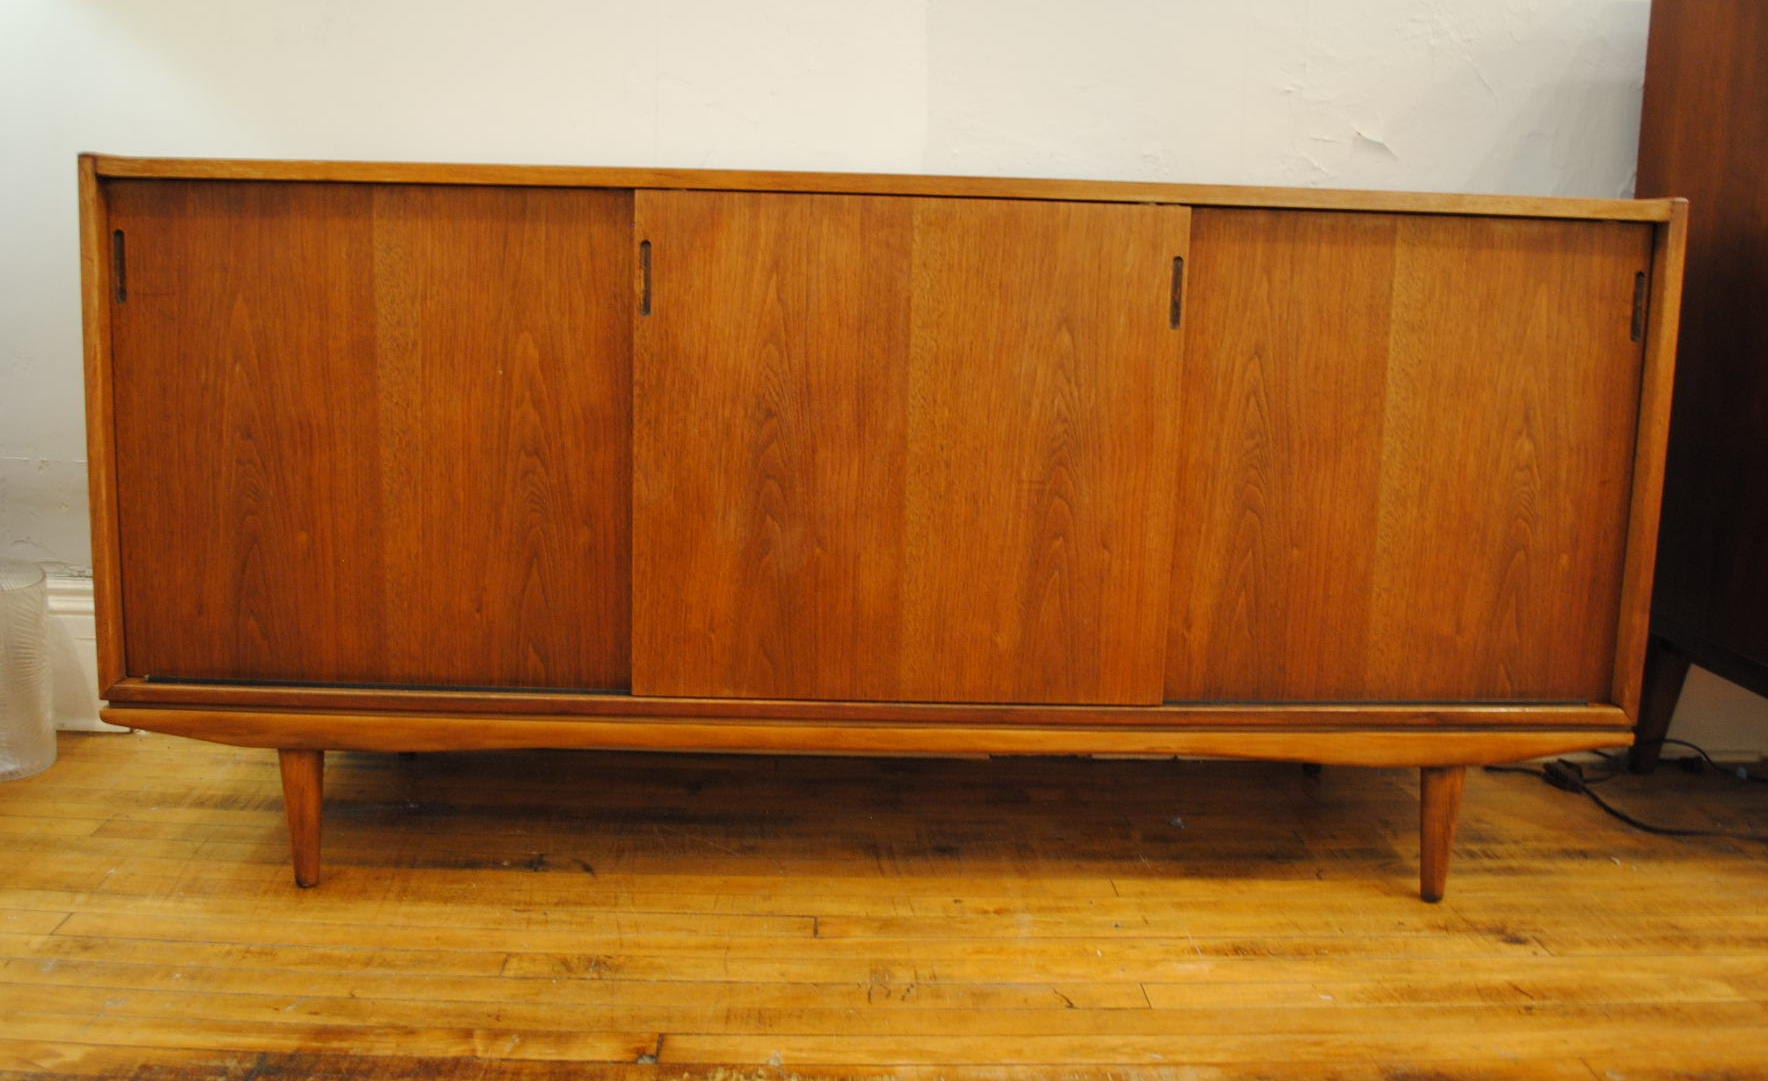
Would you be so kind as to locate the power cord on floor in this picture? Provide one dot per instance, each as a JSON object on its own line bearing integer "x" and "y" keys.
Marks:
{"x": 1694, "y": 765}
{"x": 1570, "y": 776}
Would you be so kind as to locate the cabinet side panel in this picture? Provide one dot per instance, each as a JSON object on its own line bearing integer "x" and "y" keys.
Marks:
{"x": 248, "y": 484}
{"x": 97, "y": 294}
{"x": 1411, "y": 460}
{"x": 1670, "y": 242}
{"x": 503, "y": 360}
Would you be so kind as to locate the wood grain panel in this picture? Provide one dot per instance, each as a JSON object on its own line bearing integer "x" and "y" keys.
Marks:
{"x": 1043, "y": 428}
{"x": 770, "y": 447}
{"x": 373, "y": 434}
{"x": 1279, "y": 470}
{"x": 248, "y": 480}
{"x": 1428, "y": 499}
{"x": 1507, "y": 455}
{"x": 503, "y": 349}
{"x": 904, "y": 449}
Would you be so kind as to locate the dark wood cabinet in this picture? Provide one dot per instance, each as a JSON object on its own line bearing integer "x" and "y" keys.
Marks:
{"x": 406, "y": 457}
{"x": 1704, "y": 135}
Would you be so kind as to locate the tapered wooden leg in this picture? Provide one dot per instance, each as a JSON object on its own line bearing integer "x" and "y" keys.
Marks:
{"x": 1666, "y": 667}
{"x": 1440, "y": 801}
{"x": 303, "y": 798}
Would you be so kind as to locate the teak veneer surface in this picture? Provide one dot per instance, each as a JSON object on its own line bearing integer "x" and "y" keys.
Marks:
{"x": 337, "y": 442}
{"x": 538, "y": 916}
{"x": 904, "y": 449}
{"x": 1407, "y": 455}
{"x": 238, "y": 467}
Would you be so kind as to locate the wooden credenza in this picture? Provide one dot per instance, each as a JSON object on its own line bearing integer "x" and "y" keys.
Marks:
{"x": 410, "y": 457}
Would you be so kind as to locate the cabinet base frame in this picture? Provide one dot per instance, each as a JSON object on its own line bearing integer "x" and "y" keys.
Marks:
{"x": 301, "y": 739}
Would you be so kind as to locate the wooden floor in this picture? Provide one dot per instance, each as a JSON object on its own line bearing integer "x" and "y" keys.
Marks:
{"x": 566, "y": 915}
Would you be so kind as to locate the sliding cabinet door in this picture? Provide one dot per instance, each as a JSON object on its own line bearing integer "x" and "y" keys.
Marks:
{"x": 904, "y": 448}
{"x": 373, "y": 434}
{"x": 1409, "y": 457}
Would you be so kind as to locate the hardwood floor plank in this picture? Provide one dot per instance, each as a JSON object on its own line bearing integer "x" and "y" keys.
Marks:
{"x": 208, "y": 973}
{"x": 491, "y": 1042}
{"x": 30, "y": 921}
{"x": 41, "y": 1061}
{"x": 64, "y": 949}
{"x": 16, "y": 826}
{"x": 64, "y": 1062}
{"x": 1470, "y": 981}
{"x": 691, "y": 917}
{"x": 1472, "y": 1040}
{"x": 1051, "y": 1021}
{"x": 529, "y": 945}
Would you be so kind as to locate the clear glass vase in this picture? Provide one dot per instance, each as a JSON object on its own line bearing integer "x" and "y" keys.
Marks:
{"x": 27, "y": 738}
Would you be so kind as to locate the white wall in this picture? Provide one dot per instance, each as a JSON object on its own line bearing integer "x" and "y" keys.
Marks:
{"x": 1528, "y": 96}
{"x": 1524, "y": 96}
{"x": 825, "y": 85}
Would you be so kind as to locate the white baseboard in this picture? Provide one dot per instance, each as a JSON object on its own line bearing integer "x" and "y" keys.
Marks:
{"x": 73, "y": 656}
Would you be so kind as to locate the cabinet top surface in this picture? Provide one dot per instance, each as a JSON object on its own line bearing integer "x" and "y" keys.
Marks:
{"x": 1530, "y": 206}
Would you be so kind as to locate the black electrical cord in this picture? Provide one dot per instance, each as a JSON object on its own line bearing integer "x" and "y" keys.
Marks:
{"x": 1569, "y": 776}
{"x": 1739, "y": 772}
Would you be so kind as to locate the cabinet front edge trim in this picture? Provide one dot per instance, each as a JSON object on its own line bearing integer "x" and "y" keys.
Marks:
{"x": 1122, "y": 191}
{"x": 431, "y": 732}
{"x": 565, "y": 707}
